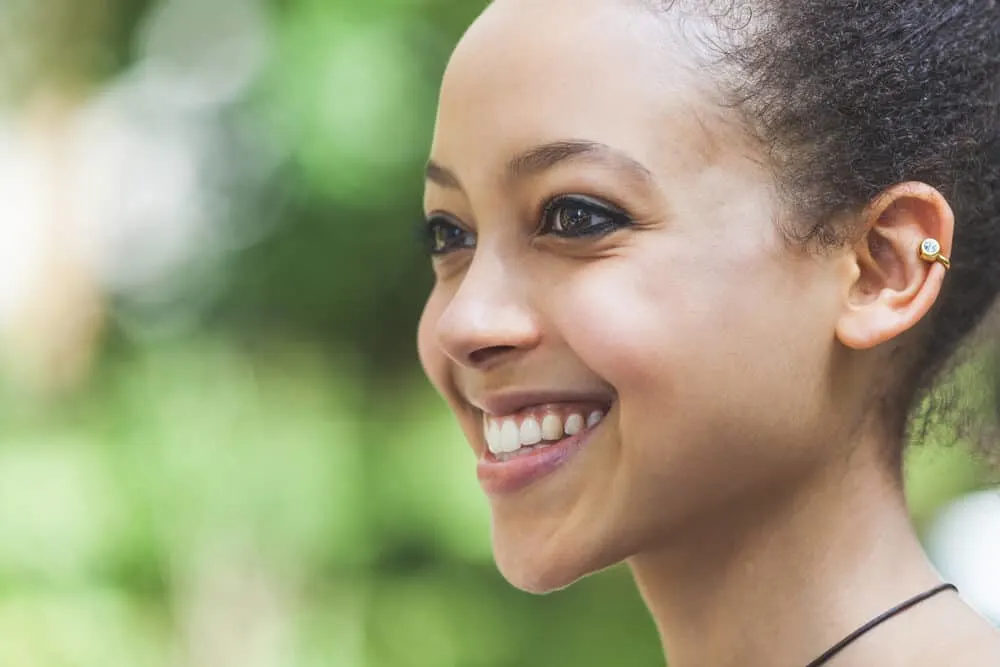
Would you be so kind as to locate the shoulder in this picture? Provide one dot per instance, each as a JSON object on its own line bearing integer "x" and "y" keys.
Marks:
{"x": 953, "y": 634}
{"x": 980, "y": 650}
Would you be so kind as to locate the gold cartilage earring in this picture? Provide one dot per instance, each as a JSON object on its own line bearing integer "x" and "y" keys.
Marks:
{"x": 930, "y": 251}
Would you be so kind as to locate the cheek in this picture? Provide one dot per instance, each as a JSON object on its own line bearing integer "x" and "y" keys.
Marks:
{"x": 719, "y": 381}
{"x": 702, "y": 332}
{"x": 630, "y": 322}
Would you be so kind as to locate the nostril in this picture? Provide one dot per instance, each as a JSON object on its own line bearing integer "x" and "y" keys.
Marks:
{"x": 487, "y": 354}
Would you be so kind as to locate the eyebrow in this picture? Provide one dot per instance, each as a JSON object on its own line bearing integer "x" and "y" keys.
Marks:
{"x": 443, "y": 176}
{"x": 544, "y": 157}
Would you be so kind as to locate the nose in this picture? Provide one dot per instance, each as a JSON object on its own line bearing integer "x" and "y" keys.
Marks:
{"x": 489, "y": 318}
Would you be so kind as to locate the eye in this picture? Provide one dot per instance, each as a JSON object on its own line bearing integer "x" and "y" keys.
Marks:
{"x": 439, "y": 236}
{"x": 575, "y": 216}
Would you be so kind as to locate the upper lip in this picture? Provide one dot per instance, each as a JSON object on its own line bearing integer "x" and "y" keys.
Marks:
{"x": 510, "y": 402}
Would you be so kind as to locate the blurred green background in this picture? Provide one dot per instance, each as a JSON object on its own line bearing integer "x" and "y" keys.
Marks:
{"x": 216, "y": 445}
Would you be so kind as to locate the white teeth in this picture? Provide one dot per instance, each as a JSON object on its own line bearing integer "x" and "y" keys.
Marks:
{"x": 510, "y": 436}
{"x": 531, "y": 432}
{"x": 493, "y": 436}
{"x": 574, "y": 424}
{"x": 505, "y": 438}
{"x": 552, "y": 428}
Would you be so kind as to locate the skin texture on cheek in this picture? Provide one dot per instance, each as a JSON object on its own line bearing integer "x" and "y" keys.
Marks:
{"x": 702, "y": 344}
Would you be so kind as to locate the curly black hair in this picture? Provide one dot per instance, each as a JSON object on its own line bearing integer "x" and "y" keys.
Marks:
{"x": 854, "y": 96}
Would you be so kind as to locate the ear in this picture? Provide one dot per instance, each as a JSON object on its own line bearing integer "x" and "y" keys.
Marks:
{"x": 894, "y": 288}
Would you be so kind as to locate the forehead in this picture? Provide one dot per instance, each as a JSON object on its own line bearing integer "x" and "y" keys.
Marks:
{"x": 611, "y": 71}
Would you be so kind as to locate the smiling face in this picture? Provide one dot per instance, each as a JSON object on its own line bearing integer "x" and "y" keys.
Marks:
{"x": 606, "y": 242}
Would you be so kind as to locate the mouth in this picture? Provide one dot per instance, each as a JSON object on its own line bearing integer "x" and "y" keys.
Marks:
{"x": 536, "y": 427}
{"x": 529, "y": 443}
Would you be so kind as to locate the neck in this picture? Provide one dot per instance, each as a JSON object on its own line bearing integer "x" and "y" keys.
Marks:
{"x": 781, "y": 582}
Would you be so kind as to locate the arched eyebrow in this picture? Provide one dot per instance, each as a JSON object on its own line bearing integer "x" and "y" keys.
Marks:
{"x": 544, "y": 157}
{"x": 442, "y": 176}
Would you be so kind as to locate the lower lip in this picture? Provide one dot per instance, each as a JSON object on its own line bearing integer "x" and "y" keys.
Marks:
{"x": 506, "y": 477}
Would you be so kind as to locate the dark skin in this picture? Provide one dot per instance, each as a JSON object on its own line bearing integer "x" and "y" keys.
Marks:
{"x": 740, "y": 470}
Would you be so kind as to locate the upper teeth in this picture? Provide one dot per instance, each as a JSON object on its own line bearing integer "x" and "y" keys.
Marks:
{"x": 508, "y": 434}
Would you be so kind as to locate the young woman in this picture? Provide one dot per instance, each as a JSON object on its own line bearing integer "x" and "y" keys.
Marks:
{"x": 697, "y": 263}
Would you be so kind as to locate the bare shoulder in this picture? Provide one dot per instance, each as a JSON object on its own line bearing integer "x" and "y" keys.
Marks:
{"x": 979, "y": 650}
{"x": 953, "y": 635}
{"x": 987, "y": 654}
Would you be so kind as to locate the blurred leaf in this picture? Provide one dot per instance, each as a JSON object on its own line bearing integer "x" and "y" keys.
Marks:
{"x": 425, "y": 480}
{"x": 61, "y": 513}
{"x": 88, "y": 627}
{"x": 218, "y": 446}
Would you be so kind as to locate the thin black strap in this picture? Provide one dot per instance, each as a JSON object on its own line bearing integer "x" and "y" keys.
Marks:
{"x": 881, "y": 618}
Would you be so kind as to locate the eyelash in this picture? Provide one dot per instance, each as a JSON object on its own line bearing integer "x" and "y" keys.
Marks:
{"x": 436, "y": 243}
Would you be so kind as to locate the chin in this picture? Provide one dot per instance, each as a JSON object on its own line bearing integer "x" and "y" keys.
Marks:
{"x": 537, "y": 577}
{"x": 546, "y": 568}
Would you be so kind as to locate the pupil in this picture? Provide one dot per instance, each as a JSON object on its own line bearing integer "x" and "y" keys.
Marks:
{"x": 576, "y": 217}
{"x": 443, "y": 235}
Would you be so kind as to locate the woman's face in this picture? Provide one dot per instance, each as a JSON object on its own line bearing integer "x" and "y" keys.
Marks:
{"x": 608, "y": 244}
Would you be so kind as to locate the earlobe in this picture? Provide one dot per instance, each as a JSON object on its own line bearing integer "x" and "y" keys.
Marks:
{"x": 901, "y": 264}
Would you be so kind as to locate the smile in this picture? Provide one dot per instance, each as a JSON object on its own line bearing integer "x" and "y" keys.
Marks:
{"x": 534, "y": 442}
{"x": 538, "y": 427}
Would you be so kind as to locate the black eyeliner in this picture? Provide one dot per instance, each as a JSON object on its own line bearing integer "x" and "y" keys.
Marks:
{"x": 425, "y": 232}
{"x": 618, "y": 218}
